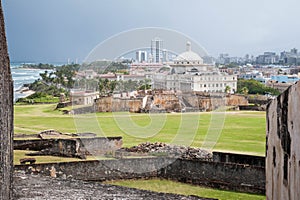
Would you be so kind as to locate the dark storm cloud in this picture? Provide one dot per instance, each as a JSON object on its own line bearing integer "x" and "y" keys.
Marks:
{"x": 55, "y": 30}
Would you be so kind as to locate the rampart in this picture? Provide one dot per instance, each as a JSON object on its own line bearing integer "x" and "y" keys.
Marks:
{"x": 231, "y": 176}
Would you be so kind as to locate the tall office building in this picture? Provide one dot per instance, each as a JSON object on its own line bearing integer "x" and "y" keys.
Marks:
{"x": 156, "y": 50}
{"x": 141, "y": 56}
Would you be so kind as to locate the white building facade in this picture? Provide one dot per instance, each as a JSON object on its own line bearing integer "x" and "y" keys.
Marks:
{"x": 189, "y": 73}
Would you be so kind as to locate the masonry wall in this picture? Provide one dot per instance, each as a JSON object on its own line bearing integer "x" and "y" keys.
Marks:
{"x": 6, "y": 116}
{"x": 230, "y": 176}
{"x": 236, "y": 177}
{"x": 73, "y": 147}
{"x": 239, "y": 159}
{"x": 110, "y": 104}
{"x": 283, "y": 149}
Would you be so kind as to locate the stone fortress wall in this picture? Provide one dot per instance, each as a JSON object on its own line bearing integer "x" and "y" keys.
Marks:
{"x": 226, "y": 175}
{"x": 283, "y": 149}
{"x": 167, "y": 101}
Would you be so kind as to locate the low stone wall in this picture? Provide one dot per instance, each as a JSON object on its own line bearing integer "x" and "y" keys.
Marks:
{"x": 253, "y": 108}
{"x": 73, "y": 147}
{"x": 110, "y": 104}
{"x": 239, "y": 159}
{"x": 236, "y": 177}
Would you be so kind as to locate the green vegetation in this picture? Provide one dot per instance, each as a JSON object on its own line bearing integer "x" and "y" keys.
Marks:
{"x": 39, "y": 66}
{"x": 105, "y": 66}
{"x": 52, "y": 84}
{"x": 254, "y": 87}
{"x": 243, "y": 132}
{"x": 167, "y": 186}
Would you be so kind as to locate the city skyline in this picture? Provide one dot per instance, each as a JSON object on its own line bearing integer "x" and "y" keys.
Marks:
{"x": 45, "y": 31}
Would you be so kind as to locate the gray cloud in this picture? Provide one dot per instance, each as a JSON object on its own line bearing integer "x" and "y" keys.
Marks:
{"x": 55, "y": 30}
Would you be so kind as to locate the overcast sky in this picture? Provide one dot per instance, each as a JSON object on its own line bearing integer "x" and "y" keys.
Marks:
{"x": 55, "y": 30}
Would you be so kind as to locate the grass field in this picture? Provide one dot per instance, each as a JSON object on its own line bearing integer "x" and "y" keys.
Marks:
{"x": 167, "y": 186}
{"x": 242, "y": 132}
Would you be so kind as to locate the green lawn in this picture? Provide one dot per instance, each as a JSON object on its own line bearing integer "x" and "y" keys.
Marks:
{"x": 242, "y": 132}
{"x": 167, "y": 186}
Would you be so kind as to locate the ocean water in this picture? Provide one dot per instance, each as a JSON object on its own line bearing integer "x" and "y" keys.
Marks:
{"x": 23, "y": 76}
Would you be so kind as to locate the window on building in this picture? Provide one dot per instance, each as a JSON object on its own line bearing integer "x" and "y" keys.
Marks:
{"x": 204, "y": 85}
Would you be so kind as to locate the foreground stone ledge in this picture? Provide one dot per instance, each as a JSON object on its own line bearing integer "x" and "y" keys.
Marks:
{"x": 40, "y": 187}
{"x": 223, "y": 175}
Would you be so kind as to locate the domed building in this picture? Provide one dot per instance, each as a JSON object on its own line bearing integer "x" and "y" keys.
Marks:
{"x": 190, "y": 73}
{"x": 188, "y": 61}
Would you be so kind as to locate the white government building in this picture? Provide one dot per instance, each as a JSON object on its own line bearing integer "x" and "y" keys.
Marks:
{"x": 189, "y": 73}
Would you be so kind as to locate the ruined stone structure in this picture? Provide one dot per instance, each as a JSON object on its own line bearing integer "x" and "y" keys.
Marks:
{"x": 71, "y": 147}
{"x": 169, "y": 101}
{"x": 110, "y": 104}
{"x": 226, "y": 175}
{"x": 6, "y": 117}
{"x": 283, "y": 149}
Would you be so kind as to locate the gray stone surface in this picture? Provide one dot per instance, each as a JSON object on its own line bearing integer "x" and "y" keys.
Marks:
{"x": 28, "y": 187}
{"x": 283, "y": 149}
{"x": 6, "y": 117}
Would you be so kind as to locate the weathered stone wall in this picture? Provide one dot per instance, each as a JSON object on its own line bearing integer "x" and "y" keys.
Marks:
{"x": 237, "y": 177}
{"x": 77, "y": 147}
{"x": 209, "y": 102}
{"x": 239, "y": 159}
{"x": 283, "y": 149}
{"x": 168, "y": 102}
{"x": 110, "y": 104}
{"x": 6, "y": 116}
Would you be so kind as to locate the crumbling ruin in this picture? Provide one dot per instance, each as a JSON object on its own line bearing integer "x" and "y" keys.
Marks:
{"x": 283, "y": 149}
{"x": 78, "y": 145}
{"x": 168, "y": 101}
{"x": 6, "y": 116}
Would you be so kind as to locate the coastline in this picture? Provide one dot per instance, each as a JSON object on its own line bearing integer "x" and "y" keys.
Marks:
{"x": 25, "y": 91}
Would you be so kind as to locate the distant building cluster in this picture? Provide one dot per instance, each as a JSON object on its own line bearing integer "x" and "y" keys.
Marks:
{"x": 189, "y": 72}
{"x": 291, "y": 57}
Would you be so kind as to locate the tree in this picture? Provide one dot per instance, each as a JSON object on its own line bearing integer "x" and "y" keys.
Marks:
{"x": 255, "y": 87}
{"x": 245, "y": 90}
{"x": 6, "y": 117}
{"x": 227, "y": 89}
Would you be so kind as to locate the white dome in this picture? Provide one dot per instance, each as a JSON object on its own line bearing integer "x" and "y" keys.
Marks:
{"x": 189, "y": 56}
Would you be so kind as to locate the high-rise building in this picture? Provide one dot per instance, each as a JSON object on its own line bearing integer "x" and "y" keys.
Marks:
{"x": 141, "y": 56}
{"x": 156, "y": 50}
